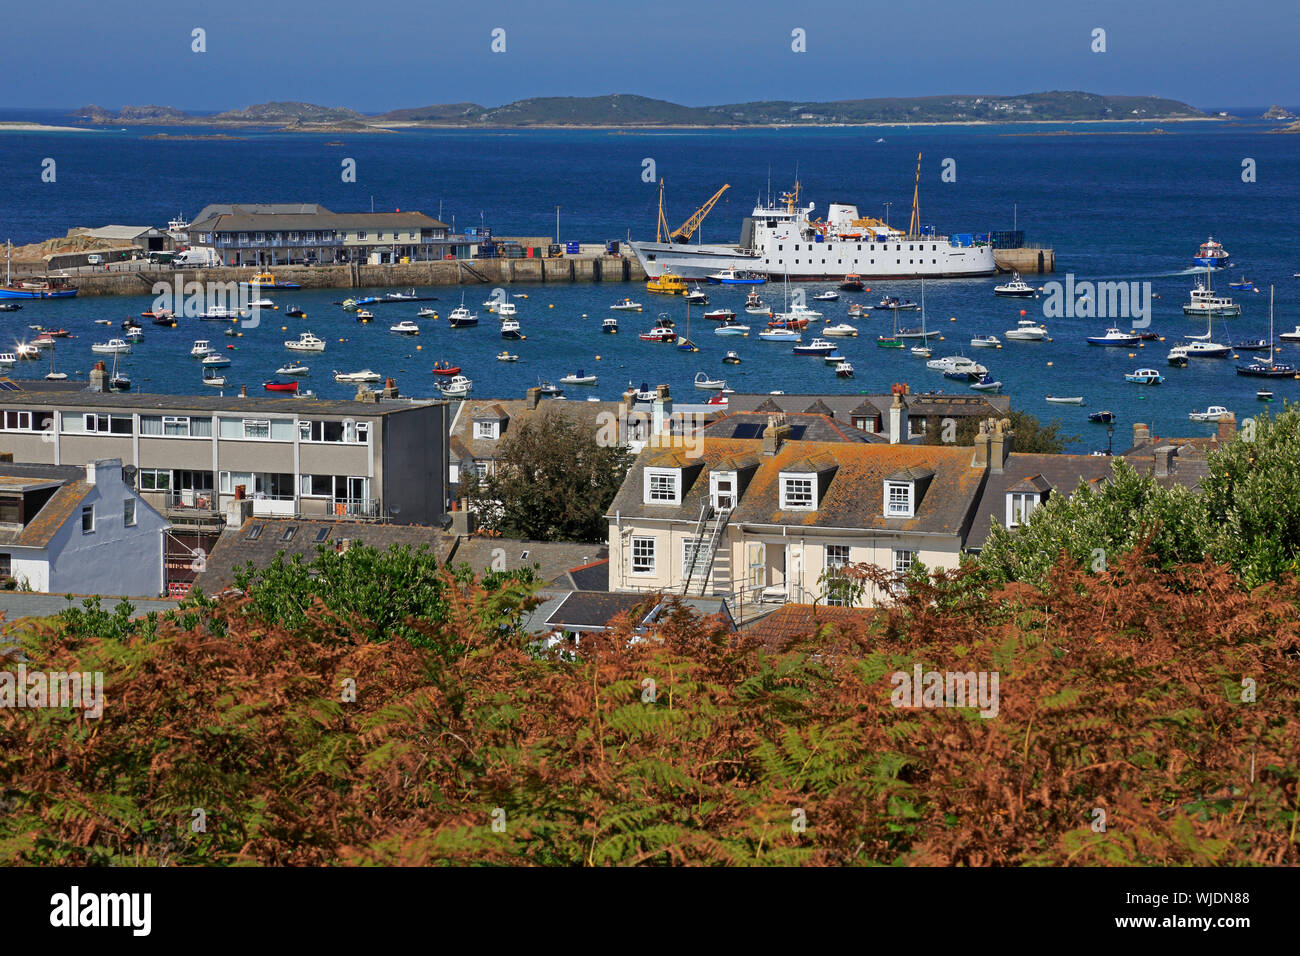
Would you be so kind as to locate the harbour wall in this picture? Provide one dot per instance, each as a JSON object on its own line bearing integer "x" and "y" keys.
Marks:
{"x": 1025, "y": 260}
{"x": 356, "y": 275}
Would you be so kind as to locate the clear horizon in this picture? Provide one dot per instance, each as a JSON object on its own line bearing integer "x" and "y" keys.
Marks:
{"x": 729, "y": 51}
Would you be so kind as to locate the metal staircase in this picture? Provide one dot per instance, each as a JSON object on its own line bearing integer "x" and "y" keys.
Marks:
{"x": 704, "y": 556}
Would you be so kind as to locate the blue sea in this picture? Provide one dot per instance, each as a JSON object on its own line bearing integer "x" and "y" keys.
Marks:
{"x": 1117, "y": 205}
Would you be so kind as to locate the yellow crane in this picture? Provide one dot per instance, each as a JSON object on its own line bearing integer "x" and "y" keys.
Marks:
{"x": 687, "y": 229}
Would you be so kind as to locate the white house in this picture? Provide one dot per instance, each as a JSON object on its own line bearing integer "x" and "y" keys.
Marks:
{"x": 79, "y": 529}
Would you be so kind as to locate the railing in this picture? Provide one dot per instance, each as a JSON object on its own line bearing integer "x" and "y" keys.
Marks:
{"x": 186, "y": 499}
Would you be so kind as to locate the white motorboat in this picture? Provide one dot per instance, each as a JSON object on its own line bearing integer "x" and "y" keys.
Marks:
{"x": 428, "y": 313}
{"x": 458, "y": 386}
{"x": 626, "y": 305}
{"x": 135, "y": 335}
{"x": 957, "y": 363}
{"x": 461, "y": 317}
{"x": 507, "y": 357}
{"x": 1144, "y": 376}
{"x": 1064, "y": 399}
{"x": 844, "y": 369}
{"x": 111, "y": 347}
{"x": 815, "y": 347}
{"x": 405, "y": 327}
{"x": 1016, "y": 288}
{"x": 306, "y": 342}
{"x": 828, "y": 296}
{"x": 1215, "y": 413}
{"x": 352, "y": 378}
{"x": 1291, "y": 336}
{"x": 1203, "y": 301}
{"x": 609, "y": 325}
{"x": 212, "y": 379}
{"x": 292, "y": 369}
{"x": 218, "y": 313}
{"x": 842, "y": 329}
{"x": 987, "y": 384}
{"x": 922, "y": 351}
{"x": 215, "y": 360}
{"x": 985, "y": 342}
{"x": 399, "y": 296}
{"x": 703, "y": 381}
{"x": 1114, "y": 337}
{"x": 510, "y": 330}
{"x": 363, "y": 315}
{"x": 8, "y": 358}
{"x": 261, "y": 303}
{"x": 201, "y": 348}
{"x": 578, "y": 378}
{"x": 731, "y": 328}
{"x": 1026, "y": 330}
{"x": 780, "y": 335}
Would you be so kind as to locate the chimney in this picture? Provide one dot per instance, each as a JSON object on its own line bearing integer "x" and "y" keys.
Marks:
{"x": 1227, "y": 428}
{"x": 661, "y": 412}
{"x": 898, "y": 416}
{"x": 365, "y": 394}
{"x": 1164, "y": 456}
{"x": 98, "y": 377}
{"x": 1000, "y": 445}
{"x": 243, "y": 391}
{"x": 390, "y": 388}
{"x": 1141, "y": 434}
{"x": 774, "y": 435}
{"x": 532, "y": 397}
{"x": 90, "y": 472}
{"x": 981, "y": 457}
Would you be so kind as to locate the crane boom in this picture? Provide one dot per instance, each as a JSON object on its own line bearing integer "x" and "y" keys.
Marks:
{"x": 687, "y": 229}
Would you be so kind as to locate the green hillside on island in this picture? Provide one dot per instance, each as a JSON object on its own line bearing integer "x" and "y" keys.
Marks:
{"x": 628, "y": 110}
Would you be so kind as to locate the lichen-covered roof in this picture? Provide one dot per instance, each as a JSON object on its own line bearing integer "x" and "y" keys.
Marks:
{"x": 38, "y": 533}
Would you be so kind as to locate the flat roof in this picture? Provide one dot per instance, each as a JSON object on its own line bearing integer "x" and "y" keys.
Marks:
{"x": 145, "y": 402}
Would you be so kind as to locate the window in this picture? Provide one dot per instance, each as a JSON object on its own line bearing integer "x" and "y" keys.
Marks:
{"x": 643, "y": 555}
{"x": 154, "y": 479}
{"x": 11, "y": 509}
{"x": 361, "y": 234}
{"x": 257, "y": 428}
{"x": 18, "y": 421}
{"x": 797, "y": 494}
{"x": 334, "y": 431}
{"x": 176, "y": 426}
{"x": 661, "y": 487}
{"x": 837, "y": 555}
{"x": 903, "y": 561}
{"x": 485, "y": 429}
{"x": 321, "y": 535}
{"x": 898, "y": 499}
{"x": 88, "y": 519}
{"x": 254, "y": 532}
{"x": 693, "y": 550}
{"x": 1019, "y": 507}
{"x": 289, "y": 532}
{"x": 128, "y": 512}
{"x": 838, "y": 586}
{"x": 92, "y": 423}
{"x": 6, "y": 566}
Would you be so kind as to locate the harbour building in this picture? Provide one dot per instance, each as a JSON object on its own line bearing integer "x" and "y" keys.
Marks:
{"x": 270, "y": 234}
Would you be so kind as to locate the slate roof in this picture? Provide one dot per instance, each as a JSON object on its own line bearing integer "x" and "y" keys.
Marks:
{"x": 815, "y": 427}
{"x": 776, "y": 630}
{"x": 592, "y": 610}
{"x": 844, "y": 406}
{"x": 853, "y": 499}
{"x": 516, "y": 412}
{"x": 556, "y": 560}
{"x": 251, "y": 218}
{"x": 41, "y": 529}
{"x": 1189, "y": 465}
{"x": 1025, "y": 472}
{"x": 234, "y": 548}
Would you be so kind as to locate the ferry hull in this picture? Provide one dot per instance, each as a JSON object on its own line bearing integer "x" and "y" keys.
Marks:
{"x": 699, "y": 261}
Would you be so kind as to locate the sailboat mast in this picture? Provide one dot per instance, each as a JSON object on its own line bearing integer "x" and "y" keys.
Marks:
{"x": 914, "y": 226}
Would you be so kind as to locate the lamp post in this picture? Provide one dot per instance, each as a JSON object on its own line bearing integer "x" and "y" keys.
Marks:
{"x": 887, "y": 205}
{"x": 1110, "y": 437}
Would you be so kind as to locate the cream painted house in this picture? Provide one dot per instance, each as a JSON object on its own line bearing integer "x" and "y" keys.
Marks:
{"x": 761, "y": 519}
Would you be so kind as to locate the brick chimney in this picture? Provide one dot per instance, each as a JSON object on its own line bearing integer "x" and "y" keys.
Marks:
{"x": 365, "y": 394}
{"x": 1141, "y": 433}
{"x": 390, "y": 388}
{"x": 898, "y": 416}
{"x": 1227, "y": 428}
{"x": 532, "y": 397}
{"x": 1164, "y": 456}
{"x": 98, "y": 377}
{"x": 1000, "y": 445}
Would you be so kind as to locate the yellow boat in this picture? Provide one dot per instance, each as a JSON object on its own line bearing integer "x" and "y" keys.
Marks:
{"x": 667, "y": 284}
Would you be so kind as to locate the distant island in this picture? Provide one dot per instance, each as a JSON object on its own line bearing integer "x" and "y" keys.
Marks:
{"x": 626, "y": 111}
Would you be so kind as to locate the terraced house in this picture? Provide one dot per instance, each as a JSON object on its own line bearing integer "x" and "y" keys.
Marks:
{"x": 762, "y": 520}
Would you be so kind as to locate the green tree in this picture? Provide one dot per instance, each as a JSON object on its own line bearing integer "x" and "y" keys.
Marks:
{"x": 554, "y": 481}
{"x": 1031, "y": 435}
{"x": 1251, "y": 498}
{"x": 1096, "y": 526}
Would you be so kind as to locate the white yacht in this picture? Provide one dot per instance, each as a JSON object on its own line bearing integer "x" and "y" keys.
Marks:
{"x": 365, "y": 375}
{"x": 1016, "y": 288}
{"x": 1203, "y": 301}
{"x": 1026, "y": 330}
{"x": 111, "y": 347}
{"x": 405, "y": 327}
{"x": 201, "y": 348}
{"x": 306, "y": 343}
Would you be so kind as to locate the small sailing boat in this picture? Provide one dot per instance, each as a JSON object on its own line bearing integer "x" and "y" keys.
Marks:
{"x": 684, "y": 344}
{"x": 53, "y": 376}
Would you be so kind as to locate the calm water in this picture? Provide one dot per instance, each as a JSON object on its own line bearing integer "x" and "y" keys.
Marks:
{"x": 1122, "y": 205}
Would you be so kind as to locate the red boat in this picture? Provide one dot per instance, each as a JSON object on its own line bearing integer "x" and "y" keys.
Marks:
{"x": 160, "y": 314}
{"x": 720, "y": 315}
{"x": 788, "y": 324}
{"x": 446, "y": 370}
{"x": 659, "y": 334}
{"x": 719, "y": 399}
{"x": 280, "y": 386}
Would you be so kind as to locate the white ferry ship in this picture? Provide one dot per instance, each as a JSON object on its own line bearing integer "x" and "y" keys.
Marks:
{"x": 785, "y": 238}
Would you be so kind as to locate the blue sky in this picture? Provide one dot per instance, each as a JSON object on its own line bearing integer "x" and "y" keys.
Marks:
{"x": 376, "y": 56}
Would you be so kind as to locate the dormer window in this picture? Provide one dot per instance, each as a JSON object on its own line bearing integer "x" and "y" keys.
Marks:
{"x": 722, "y": 490}
{"x": 900, "y": 502}
{"x": 663, "y": 486}
{"x": 487, "y": 429}
{"x": 1019, "y": 506}
{"x": 798, "y": 492}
